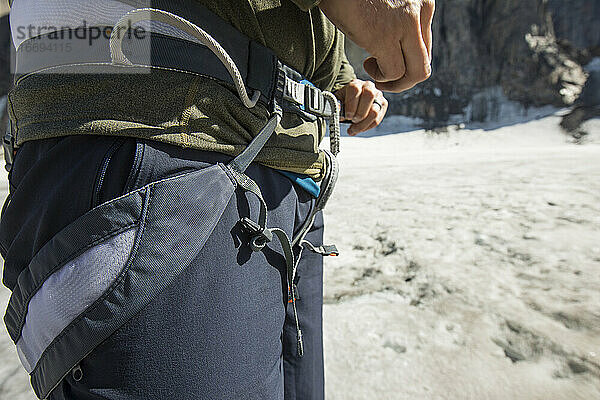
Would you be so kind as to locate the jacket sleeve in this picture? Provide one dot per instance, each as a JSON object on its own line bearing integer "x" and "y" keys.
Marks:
{"x": 346, "y": 74}
{"x": 306, "y": 5}
{"x": 334, "y": 70}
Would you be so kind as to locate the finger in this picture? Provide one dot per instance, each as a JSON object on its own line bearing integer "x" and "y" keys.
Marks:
{"x": 367, "y": 97}
{"x": 388, "y": 65}
{"x": 426, "y": 20}
{"x": 418, "y": 67}
{"x": 372, "y": 68}
{"x": 398, "y": 86}
{"x": 352, "y": 98}
{"x": 428, "y": 39}
{"x": 380, "y": 114}
{"x": 377, "y": 121}
{"x": 373, "y": 125}
{"x": 341, "y": 96}
{"x": 362, "y": 126}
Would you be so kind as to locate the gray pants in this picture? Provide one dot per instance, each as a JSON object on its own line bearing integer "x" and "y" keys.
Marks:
{"x": 223, "y": 328}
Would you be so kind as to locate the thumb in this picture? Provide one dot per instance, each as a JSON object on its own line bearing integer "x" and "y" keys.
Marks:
{"x": 386, "y": 68}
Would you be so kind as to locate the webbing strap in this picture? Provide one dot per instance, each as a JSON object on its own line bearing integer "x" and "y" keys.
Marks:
{"x": 243, "y": 161}
{"x": 291, "y": 277}
{"x": 248, "y": 184}
{"x": 261, "y": 235}
{"x": 240, "y": 164}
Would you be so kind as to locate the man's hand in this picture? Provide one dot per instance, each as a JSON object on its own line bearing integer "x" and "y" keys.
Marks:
{"x": 364, "y": 105}
{"x": 397, "y": 33}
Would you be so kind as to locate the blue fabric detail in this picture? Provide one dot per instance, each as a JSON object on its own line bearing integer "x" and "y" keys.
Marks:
{"x": 305, "y": 182}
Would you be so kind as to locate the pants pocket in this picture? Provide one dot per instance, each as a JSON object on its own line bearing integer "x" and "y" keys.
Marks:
{"x": 53, "y": 184}
{"x": 114, "y": 170}
{"x": 104, "y": 267}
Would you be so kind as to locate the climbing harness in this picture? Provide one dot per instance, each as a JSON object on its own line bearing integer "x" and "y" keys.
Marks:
{"x": 67, "y": 339}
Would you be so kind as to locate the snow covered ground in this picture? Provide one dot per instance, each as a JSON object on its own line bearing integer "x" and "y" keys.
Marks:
{"x": 470, "y": 268}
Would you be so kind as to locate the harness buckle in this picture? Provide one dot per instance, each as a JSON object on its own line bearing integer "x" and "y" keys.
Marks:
{"x": 325, "y": 250}
{"x": 259, "y": 236}
{"x": 313, "y": 100}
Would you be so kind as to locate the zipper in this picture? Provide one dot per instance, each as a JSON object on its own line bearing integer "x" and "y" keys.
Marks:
{"x": 101, "y": 175}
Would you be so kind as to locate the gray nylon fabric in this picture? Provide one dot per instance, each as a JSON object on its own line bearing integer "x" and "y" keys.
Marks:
{"x": 69, "y": 291}
{"x": 241, "y": 162}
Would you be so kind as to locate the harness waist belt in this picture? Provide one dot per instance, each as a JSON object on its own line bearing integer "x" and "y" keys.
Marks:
{"x": 262, "y": 72}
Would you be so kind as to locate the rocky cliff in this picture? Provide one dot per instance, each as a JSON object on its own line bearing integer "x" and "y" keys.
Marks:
{"x": 490, "y": 55}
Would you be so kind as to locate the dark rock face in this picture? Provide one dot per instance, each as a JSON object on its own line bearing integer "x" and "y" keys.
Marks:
{"x": 576, "y": 21}
{"x": 488, "y": 51}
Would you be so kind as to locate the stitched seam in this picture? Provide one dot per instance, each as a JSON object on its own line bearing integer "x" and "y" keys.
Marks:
{"x": 229, "y": 173}
{"x": 14, "y": 116}
{"x": 3, "y": 250}
{"x": 141, "y": 66}
{"x": 102, "y": 169}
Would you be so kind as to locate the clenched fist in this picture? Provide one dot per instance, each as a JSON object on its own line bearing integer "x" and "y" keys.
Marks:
{"x": 397, "y": 34}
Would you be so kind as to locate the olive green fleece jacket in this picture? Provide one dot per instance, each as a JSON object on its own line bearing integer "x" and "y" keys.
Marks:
{"x": 191, "y": 111}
